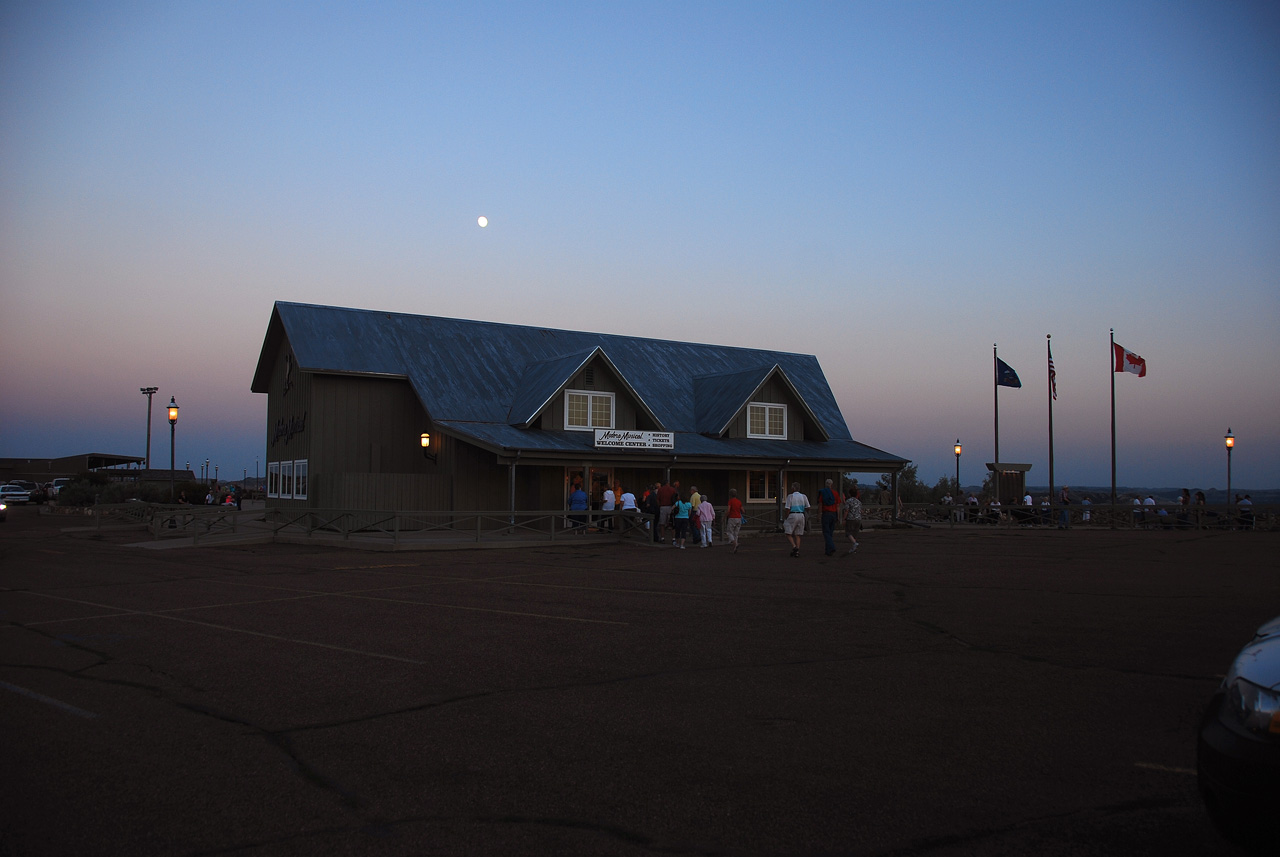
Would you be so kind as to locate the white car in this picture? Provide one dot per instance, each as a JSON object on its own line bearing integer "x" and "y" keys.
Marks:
{"x": 11, "y": 494}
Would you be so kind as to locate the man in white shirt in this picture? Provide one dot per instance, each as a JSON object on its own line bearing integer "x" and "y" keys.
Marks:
{"x": 797, "y": 504}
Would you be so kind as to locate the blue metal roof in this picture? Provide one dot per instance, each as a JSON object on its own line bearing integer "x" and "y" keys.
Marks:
{"x": 485, "y": 380}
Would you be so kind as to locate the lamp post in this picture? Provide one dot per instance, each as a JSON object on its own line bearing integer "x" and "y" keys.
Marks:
{"x": 206, "y": 471}
{"x": 149, "y": 392}
{"x": 173, "y": 422}
{"x": 1230, "y": 441}
{"x": 959, "y": 449}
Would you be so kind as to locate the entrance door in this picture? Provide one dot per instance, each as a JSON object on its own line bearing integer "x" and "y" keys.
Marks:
{"x": 601, "y": 480}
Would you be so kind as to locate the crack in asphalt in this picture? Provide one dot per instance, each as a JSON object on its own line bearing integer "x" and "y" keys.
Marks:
{"x": 902, "y": 594}
{"x": 387, "y": 829}
{"x": 933, "y": 843}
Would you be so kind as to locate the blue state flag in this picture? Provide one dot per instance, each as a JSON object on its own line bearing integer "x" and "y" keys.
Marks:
{"x": 1005, "y": 376}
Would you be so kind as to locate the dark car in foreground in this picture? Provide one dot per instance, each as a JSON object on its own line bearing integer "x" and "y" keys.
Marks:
{"x": 1238, "y": 752}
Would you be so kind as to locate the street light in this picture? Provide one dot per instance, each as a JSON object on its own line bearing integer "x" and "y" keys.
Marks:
{"x": 1230, "y": 440}
{"x": 206, "y": 471}
{"x": 173, "y": 422}
{"x": 149, "y": 392}
{"x": 959, "y": 449}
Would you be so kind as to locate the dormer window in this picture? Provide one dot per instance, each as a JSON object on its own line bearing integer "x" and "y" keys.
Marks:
{"x": 767, "y": 421}
{"x": 585, "y": 411}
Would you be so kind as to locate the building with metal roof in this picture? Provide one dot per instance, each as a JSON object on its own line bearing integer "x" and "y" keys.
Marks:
{"x": 379, "y": 410}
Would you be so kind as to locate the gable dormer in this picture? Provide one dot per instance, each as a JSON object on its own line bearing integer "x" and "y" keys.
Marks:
{"x": 579, "y": 392}
{"x": 759, "y": 403}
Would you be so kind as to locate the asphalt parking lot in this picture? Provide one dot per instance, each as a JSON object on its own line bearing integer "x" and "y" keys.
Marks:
{"x": 941, "y": 692}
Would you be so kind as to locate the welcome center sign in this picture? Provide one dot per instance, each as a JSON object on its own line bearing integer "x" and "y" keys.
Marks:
{"x": 621, "y": 439}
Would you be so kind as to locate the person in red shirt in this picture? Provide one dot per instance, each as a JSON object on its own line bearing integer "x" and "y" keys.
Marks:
{"x": 733, "y": 522}
{"x": 830, "y": 500}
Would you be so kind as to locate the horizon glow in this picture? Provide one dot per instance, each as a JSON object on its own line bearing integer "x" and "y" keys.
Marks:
{"x": 890, "y": 188}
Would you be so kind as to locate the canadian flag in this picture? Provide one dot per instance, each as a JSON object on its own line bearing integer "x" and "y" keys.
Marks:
{"x": 1127, "y": 361}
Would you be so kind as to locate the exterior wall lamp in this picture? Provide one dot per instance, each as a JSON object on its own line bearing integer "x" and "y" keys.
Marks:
{"x": 425, "y": 440}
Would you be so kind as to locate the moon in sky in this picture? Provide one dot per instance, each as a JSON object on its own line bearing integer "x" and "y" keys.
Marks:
{"x": 483, "y": 221}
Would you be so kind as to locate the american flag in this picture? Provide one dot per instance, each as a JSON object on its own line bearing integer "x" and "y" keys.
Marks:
{"x": 1053, "y": 377}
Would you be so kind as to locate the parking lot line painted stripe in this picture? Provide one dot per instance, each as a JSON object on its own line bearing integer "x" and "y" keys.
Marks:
{"x": 1163, "y": 768}
{"x": 48, "y": 700}
{"x": 169, "y": 610}
{"x": 500, "y": 580}
{"x": 361, "y": 594}
{"x": 330, "y": 646}
{"x": 303, "y": 594}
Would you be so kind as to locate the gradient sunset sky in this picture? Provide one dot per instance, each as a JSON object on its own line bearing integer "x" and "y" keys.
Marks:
{"x": 892, "y": 187}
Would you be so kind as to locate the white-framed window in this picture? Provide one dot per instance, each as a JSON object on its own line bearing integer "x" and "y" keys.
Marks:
{"x": 767, "y": 420}
{"x": 584, "y": 411}
{"x": 762, "y": 486}
{"x": 273, "y": 479}
{"x": 300, "y": 480}
{"x": 286, "y": 479}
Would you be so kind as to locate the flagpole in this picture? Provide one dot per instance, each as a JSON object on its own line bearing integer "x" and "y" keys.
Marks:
{"x": 1049, "y": 372}
{"x": 995, "y": 392}
{"x": 1111, "y": 360}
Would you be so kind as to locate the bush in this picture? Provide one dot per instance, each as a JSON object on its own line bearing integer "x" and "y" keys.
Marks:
{"x": 89, "y": 489}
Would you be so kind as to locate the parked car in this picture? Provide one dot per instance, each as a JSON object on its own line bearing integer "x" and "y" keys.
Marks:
{"x": 35, "y": 491}
{"x": 58, "y": 484}
{"x": 12, "y": 494}
{"x": 1238, "y": 751}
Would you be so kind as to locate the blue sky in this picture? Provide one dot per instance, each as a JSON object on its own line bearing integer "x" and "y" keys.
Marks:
{"x": 893, "y": 187}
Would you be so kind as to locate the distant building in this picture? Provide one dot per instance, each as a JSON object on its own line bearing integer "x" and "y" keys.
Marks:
{"x": 43, "y": 470}
{"x": 377, "y": 410}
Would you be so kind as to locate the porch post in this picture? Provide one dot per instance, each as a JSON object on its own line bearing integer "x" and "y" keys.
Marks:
{"x": 782, "y": 494}
{"x": 511, "y": 488}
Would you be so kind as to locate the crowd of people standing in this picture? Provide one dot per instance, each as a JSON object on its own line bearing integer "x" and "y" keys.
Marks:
{"x": 689, "y": 518}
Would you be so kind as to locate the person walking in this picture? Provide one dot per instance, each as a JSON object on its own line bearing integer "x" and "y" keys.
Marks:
{"x": 680, "y": 511}
{"x": 706, "y": 520}
{"x": 627, "y": 505}
{"x": 696, "y": 500}
{"x": 733, "y": 521}
{"x": 608, "y": 504}
{"x": 653, "y": 507}
{"x": 829, "y": 501}
{"x": 797, "y": 505}
{"x": 851, "y": 510}
{"x": 667, "y": 496}
{"x": 578, "y": 503}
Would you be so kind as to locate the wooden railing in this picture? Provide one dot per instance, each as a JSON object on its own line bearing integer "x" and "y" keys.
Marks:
{"x": 1162, "y": 516}
{"x": 557, "y": 525}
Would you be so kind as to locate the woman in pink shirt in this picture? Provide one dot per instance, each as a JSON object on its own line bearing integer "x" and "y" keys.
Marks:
{"x": 706, "y": 516}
